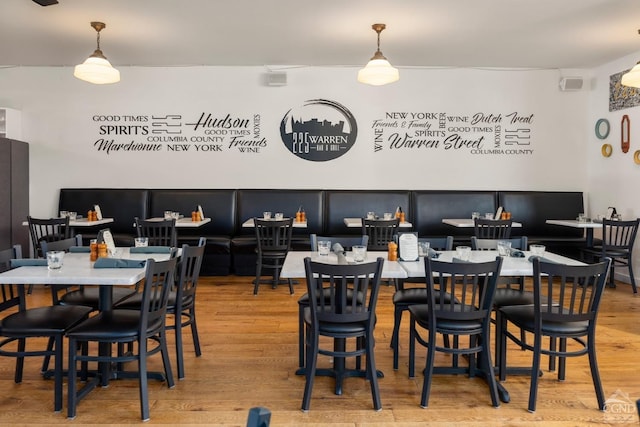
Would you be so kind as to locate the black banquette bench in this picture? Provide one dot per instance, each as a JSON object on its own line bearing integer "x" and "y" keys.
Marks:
{"x": 231, "y": 247}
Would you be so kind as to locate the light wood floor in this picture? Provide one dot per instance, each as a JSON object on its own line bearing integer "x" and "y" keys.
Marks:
{"x": 249, "y": 359}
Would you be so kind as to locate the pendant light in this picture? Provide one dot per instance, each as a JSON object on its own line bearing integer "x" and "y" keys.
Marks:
{"x": 97, "y": 69}
{"x": 632, "y": 77}
{"x": 378, "y": 70}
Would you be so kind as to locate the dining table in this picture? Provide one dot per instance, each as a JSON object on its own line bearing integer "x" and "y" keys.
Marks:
{"x": 184, "y": 222}
{"x": 77, "y": 269}
{"x": 589, "y": 226}
{"x": 469, "y": 222}
{"x": 250, "y": 223}
{"x": 357, "y": 223}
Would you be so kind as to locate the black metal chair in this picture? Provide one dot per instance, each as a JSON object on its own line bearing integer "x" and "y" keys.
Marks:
{"x": 618, "y": 238}
{"x": 121, "y": 326}
{"x": 346, "y": 242}
{"x": 566, "y": 301}
{"x": 159, "y": 233}
{"x": 407, "y": 296}
{"x": 492, "y": 228}
{"x": 380, "y": 232}
{"x": 469, "y": 314}
{"x": 21, "y": 323}
{"x": 182, "y": 300}
{"x": 273, "y": 239}
{"x": 48, "y": 230}
{"x": 349, "y": 312}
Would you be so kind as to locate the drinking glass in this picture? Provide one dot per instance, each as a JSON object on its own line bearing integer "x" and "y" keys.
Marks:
{"x": 463, "y": 252}
{"x": 54, "y": 259}
{"x": 388, "y": 215}
{"x": 359, "y": 253}
{"x": 266, "y": 215}
{"x": 504, "y": 248}
{"x": 423, "y": 248}
{"x": 371, "y": 215}
{"x": 324, "y": 247}
{"x": 475, "y": 215}
{"x": 72, "y": 216}
{"x": 141, "y": 242}
{"x": 279, "y": 216}
{"x": 488, "y": 215}
{"x": 168, "y": 214}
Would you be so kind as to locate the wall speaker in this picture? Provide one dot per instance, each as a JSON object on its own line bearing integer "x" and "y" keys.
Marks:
{"x": 570, "y": 83}
{"x": 277, "y": 78}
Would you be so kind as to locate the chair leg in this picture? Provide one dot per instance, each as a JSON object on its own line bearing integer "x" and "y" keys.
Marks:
{"x": 595, "y": 374}
{"x": 428, "y": 371}
{"x": 258, "y": 275}
{"x": 142, "y": 379}
{"x": 301, "y": 340}
{"x": 47, "y": 358}
{"x": 502, "y": 356}
{"x": 194, "y": 332}
{"x": 412, "y": 348}
{"x": 20, "y": 361}
{"x": 72, "y": 398}
{"x": 311, "y": 362}
{"x": 372, "y": 374}
{"x": 533, "y": 390}
{"x": 487, "y": 367}
{"x": 562, "y": 364}
{"x": 179, "y": 348}
{"x": 290, "y": 286}
{"x": 397, "y": 319}
{"x": 631, "y": 277}
{"x": 58, "y": 370}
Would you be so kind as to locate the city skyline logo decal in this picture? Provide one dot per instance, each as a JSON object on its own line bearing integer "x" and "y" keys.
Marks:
{"x": 319, "y": 130}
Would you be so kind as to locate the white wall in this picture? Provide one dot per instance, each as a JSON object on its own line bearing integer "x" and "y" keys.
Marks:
{"x": 613, "y": 181}
{"x": 58, "y": 110}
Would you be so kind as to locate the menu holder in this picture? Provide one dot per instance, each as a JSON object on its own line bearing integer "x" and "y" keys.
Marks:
{"x": 200, "y": 212}
{"x": 408, "y": 246}
{"x": 498, "y": 214}
{"x": 611, "y": 211}
{"x": 105, "y": 236}
{"x": 98, "y": 212}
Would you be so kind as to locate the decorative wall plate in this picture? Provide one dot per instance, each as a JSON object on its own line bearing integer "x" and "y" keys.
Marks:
{"x": 636, "y": 157}
{"x": 606, "y": 149}
{"x": 625, "y": 133}
{"x": 602, "y": 128}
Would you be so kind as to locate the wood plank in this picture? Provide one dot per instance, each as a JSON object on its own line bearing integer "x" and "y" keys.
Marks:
{"x": 249, "y": 346}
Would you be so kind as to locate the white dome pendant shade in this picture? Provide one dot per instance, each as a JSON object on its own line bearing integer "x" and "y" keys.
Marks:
{"x": 632, "y": 78}
{"x": 97, "y": 69}
{"x": 378, "y": 70}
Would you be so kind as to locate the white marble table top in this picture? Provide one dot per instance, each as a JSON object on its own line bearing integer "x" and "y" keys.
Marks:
{"x": 511, "y": 266}
{"x": 574, "y": 223}
{"x": 296, "y": 224}
{"x": 468, "y": 222}
{"x": 357, "y": 223}
{"x": 294, "y": 263}
{"x": 185, "y": 222}
{"x": 78, "y": 270}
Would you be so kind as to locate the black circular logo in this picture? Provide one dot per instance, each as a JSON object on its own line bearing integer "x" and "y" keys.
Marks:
{"x": 319, "y": 130}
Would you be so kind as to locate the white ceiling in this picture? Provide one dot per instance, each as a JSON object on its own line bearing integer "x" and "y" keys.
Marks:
{"x": 560, "y": 34}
